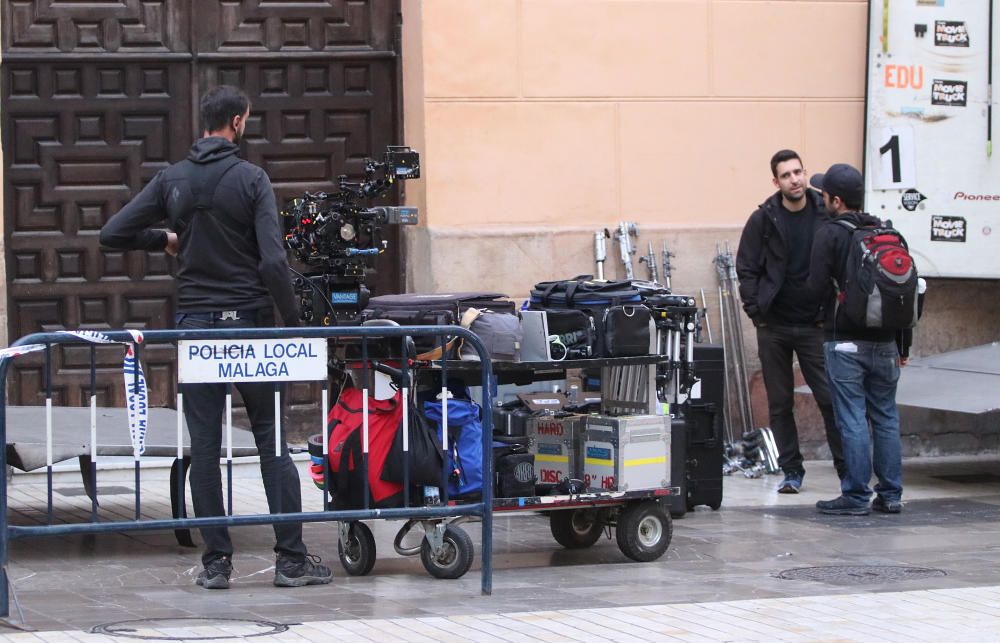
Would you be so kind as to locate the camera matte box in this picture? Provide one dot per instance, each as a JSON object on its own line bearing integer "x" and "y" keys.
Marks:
{"x": 627, "y": 453}
{"x": 555, "y": 443}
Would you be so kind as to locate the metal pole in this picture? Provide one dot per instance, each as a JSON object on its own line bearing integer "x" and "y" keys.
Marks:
{"x": 4, "y": 534}
{"x": 708, "y": 322}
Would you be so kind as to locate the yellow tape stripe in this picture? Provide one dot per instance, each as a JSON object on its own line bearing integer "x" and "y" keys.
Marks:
{"x": 641, "y": 461}
{"x": 599, "y": 462}
{"x": 552, "y": 458}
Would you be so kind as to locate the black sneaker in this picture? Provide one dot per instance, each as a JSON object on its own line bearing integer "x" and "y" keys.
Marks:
{"x": 841, "y": 506}
{"x": 882, "y": 505}
{"x": 216, "y": 574}
{"x": 298, "y": 572}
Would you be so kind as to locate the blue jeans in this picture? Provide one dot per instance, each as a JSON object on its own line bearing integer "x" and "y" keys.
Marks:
{"x": 863, "y": 387}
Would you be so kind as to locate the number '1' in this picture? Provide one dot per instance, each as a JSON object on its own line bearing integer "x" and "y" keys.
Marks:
{"x": 892, "y": 145}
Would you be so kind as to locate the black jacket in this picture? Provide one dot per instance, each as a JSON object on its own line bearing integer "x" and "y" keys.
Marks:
{"x": 762, "y": 260}
{"x": 232, "y": 256}
{"x": 826, "y": 269}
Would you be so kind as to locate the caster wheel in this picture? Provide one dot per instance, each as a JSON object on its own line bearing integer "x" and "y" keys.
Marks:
{"x": 358, "y": 556}
{"x": 576, "y": 528}
{"x": 644, "y": 530}
{"x": 455, "y": 556}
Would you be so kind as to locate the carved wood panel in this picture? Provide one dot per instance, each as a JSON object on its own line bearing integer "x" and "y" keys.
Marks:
{"x": 80, "y": 140}
{"x": 95, "y": 26}
{"x": 83, "y": 133}
{"x": 330, "y": 26}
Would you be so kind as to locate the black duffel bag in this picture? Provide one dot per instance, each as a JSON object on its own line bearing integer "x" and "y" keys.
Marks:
{"x": 572, "y": 293}
{"x": 620, "y": 321}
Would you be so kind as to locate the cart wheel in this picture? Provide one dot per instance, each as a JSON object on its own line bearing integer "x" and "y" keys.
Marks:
{"x": 358, "y": 557}
{"x": 644, "y": 530}
{"x": 455, "y": 557}
{"x": 575, "y": 528}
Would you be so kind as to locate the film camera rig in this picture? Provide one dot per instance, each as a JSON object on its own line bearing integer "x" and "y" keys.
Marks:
{"x": 339, "y": 239}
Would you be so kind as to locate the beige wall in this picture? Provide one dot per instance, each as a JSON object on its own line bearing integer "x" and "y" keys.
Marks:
{"x": 541, "y": 121}
{"x": 583, "y": 112}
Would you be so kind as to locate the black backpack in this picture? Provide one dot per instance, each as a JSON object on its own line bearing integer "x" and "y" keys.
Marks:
{"x": 880, "y": 279}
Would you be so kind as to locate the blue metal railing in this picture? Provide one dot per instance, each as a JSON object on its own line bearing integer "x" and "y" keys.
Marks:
{"x": 482, "y": 509}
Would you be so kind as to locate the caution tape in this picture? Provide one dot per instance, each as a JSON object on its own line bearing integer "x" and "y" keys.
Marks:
{"x": 14, "y": 351}
{"x": 136, "y": 393}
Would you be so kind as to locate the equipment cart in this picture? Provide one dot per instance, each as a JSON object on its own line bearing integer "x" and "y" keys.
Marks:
{"x": 634, "y": 504}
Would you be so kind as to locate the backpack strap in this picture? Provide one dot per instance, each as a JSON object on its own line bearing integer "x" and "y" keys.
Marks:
{"x": 847, "y": 224}
{"x": 204, "y": 183}
{"x": 470, "y": 315}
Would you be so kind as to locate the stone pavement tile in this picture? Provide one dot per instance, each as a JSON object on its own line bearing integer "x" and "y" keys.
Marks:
{"x": 586, "y": 628}
{"x": 362, "y": 630}
{"x": 623, "y": 619}
{"x": 489, "y": 624}
{"x": 688, "y": 623}
{"x": 505, "y": 621}
{"x": 616, "y": 624}
{"x": 968, "y": 604}
{"x": 325, "y": 631}
{"x": 860, "y": 611}
{"x": 453, "y": 630}
{"x": 541, "y": 625}
{"x": 738, "y": 622}
{"x": 801, "y": 613}
{"x": 420, "y": 626}
{"x": 663, "y": 624}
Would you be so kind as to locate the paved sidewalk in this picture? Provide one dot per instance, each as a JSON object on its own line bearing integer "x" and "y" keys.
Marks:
{"x": 970, "y": 614}
{"x": 729, "y": 575}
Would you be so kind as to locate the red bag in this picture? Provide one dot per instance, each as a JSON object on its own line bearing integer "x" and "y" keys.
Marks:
{"x": 345, "y": 449}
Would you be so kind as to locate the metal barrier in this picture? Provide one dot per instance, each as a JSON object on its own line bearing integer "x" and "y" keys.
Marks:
{"x": 39, "y": 341}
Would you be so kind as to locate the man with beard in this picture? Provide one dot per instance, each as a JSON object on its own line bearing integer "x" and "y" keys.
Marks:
{"x": 773, "y": 265}
{"x": 231, "y": 271}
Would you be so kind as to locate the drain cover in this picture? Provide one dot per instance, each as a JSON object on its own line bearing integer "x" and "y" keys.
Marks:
{"x": 859, "y": 574}
{"x": 189, "y": 629}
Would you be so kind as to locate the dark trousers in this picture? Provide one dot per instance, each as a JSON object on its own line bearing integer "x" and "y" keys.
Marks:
{"x": 204, "y": 405}
{"x": 775, "y": 346}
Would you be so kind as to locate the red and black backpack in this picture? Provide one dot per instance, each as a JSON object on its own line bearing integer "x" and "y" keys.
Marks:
{"x": 879, "y": 288}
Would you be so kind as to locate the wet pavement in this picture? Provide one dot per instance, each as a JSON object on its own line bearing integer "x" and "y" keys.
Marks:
{"x": 757, "y": 547}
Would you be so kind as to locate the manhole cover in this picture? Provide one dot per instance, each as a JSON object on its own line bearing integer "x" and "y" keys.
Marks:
{"x": 859, "y": 574}
{"x": 189, "y": 629}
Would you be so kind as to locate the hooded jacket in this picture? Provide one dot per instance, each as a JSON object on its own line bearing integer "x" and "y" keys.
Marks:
{"x": 762, "y": 258}
{"x": 231, "y": 255}
{"x": 827, "y": 268}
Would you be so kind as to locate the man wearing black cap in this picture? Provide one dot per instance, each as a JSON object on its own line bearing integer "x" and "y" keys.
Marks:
{"x": 862, "y": 363}
{"x": 773, "y": 263}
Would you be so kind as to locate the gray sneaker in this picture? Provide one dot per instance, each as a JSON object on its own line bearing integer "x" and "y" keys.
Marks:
{"x": 298, "y": 572}
{"x": 216, "y": 574}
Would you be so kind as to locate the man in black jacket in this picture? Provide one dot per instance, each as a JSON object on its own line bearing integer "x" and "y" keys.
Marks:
{"x": 231, "y": 271}
{"x": 772, "y": 264}
{"x": 863, "y": 363}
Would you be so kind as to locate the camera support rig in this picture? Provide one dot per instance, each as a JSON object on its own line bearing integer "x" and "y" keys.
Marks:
{"x": 339, "y": 239}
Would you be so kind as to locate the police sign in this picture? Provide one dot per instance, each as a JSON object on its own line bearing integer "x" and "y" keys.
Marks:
{"x": 251, "y": 360}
